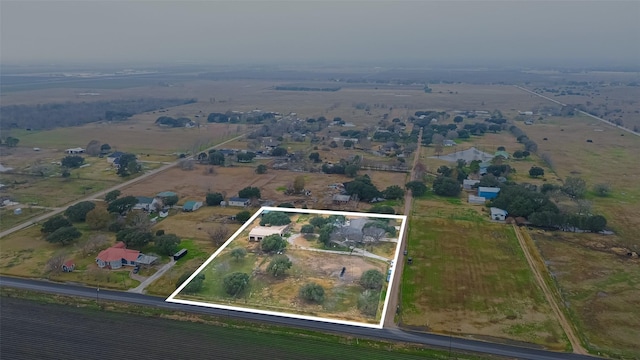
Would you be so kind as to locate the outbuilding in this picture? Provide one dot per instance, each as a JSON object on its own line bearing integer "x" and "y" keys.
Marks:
{"x": 488, "y": 192}
{"x": 191, "y": 205}
{"x": 498, "y": 214}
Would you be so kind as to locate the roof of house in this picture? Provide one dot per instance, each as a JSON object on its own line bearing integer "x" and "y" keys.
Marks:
{"x": 267, "y": 230}
{"x": 498, "y": 211}
{"x": 344, "y": 198}
{"x": 75, "y": 149}
{"x": 166, "y": 194}
{"x": 191, "y": 204}
{"x": 451, "y": 142}
{"x": 117, "y": 254}
{"x": 69, "y": 263}
{"x": 144, "y": 200}
{"x": 238, "y": 199}
{"x": 486, "y": 189}
{"x": 116, "y": 154}
{"x": 470, "y": 182}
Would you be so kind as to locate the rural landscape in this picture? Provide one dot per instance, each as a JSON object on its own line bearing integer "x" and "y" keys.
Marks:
{"x": 519, "y": 190}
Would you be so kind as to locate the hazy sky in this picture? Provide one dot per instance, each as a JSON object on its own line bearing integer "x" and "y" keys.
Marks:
{"x": 563, "y": 32}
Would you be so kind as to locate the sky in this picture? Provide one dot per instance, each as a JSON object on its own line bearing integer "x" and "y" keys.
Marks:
{"x": 330, "y": 32}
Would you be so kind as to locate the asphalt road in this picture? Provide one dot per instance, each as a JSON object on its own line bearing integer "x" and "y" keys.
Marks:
{"x": 432, "y": 340}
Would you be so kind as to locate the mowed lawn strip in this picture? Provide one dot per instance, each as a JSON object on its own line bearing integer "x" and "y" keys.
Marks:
{"x": 469, "y": 276}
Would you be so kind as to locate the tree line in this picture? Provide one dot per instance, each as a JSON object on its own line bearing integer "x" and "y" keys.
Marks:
{"x": 48, "y": 116}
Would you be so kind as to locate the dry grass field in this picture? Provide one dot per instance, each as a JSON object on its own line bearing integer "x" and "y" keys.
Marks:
{"x": 469, "y": 277}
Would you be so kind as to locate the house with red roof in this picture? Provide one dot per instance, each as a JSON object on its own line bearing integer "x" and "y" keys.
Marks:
{"x": 117, "y": 256}
{"x": 68, "y": 266}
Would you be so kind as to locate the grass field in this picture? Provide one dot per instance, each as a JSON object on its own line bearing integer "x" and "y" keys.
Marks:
{"x": 8, "y": 219}
{"x": 599, "y": 290}
{"x": 470, "y": 277}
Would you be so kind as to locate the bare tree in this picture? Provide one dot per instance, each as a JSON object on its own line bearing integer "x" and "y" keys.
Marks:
{"x": 138, "y": 220}
{"x": 54, "y": 264}
{"x": 186, "y": 164}
{"x": 218, "y": 235}
{"x": 94, "y": 244}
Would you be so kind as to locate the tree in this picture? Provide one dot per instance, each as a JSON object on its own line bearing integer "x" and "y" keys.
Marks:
{"x": 105, "y": 148}
{"x": 122, "y": 205}
{"x": 444, "y": 170}
{"x": 393, "y": 192}
{"x": 602, "y": 189}
{"x": 518, "y": 154}
{"x": 458, "y": 119}
{"x": 312, "y": 292}
{"x": 128, "y": 165}
{"x": 315, "y": 157}
{"x": 273, "y": 243}
{"x": 54, "y": 223}
{"x": 98, "y": 218}
{"x": 279, "y": 265}
{"x": 574, "y": 187}
{"x": 351, "y": 170}
{"x": 382, "y": 209}
{"x": 95, "y": 243}
{"x": 368, "y": 302}
{"x": 238, "y": 253}
{"x": 72, "y": 161}
{"x": 445, "y": 186}
{"x": 286, "y": 205}
{"x": 134, "y": 238}
{"x": 249, "y": 193}
{"x": 54, "y": 264}
{"x": 245, "y": 157}
{"x": 243, "y": 216}
{"x": 495, "y": 128}
{"x": 372, "y": 279}
{"x": 261, "y": 169}
{"x": 79, "y": 211}
{"x": 64, "y": 235}
{"x": 347, "y": 143}
{"x": 167, "y": 244}
{"x": 111, "y": 195}
{"x": 307, "y": 229}
{"x": 418, "y": 188}
{"x": 298, "y": 184}
{"x": 170, "y": 201}
{"x": 275, "y": 218}
{"x": 93, "y": 148}
{"x": 214, "y": 199}
{"x": 218, "y": 235}
{"x": 596, "y": 223}
{"x": 235, "y": 283}
{"x": 10, "y": 141}
{"x": 216, "y": 158}
{"x": 363, "y": 188}
{"x": 536, "y": 171}
{"x": 489, "y": 180}
{"x": 279, "y": 151}
{"x": 195, "y": 285}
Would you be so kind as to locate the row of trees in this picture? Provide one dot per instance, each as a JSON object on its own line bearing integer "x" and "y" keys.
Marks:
{"x": 48, "y": 116}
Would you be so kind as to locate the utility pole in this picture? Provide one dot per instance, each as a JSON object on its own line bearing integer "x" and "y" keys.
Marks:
{"x": 98, "y": 297}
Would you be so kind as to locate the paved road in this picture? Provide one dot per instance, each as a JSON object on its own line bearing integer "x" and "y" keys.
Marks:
{"x": 432, "y": 340}
{"x": 578, "y": 110}
{"x": 102, "y": 193}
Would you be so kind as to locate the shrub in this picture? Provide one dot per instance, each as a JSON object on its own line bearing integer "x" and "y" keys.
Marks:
{"x": 372, "y": 279}
{"x": 312, "y": 292}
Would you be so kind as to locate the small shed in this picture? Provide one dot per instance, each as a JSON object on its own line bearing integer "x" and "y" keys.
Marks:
{"x": 191, "y": 205}
{"x": 341, "y": 199}
{"x": 238, "y": 201}
{"x": 260, "y": 232}
{"x": 477, "y": 200}
{"x": 498, "y": 214}
{"x": 166, "y": 194}
{"x": 17, "y": 211}
{"x": 488, "y": 192}
{"x": 68, "y": 266}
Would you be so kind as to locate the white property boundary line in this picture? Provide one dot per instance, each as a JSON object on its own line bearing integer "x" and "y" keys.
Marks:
{"x": 172, "y": 297}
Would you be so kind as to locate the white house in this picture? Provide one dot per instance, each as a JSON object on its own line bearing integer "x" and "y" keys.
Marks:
{"x": 260, "y": 232}
{"x": 77, "y": 150}
{"x": 238, "y": 201}
{"x": 498, "y": 214}
{"x": 467, "y": 184}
